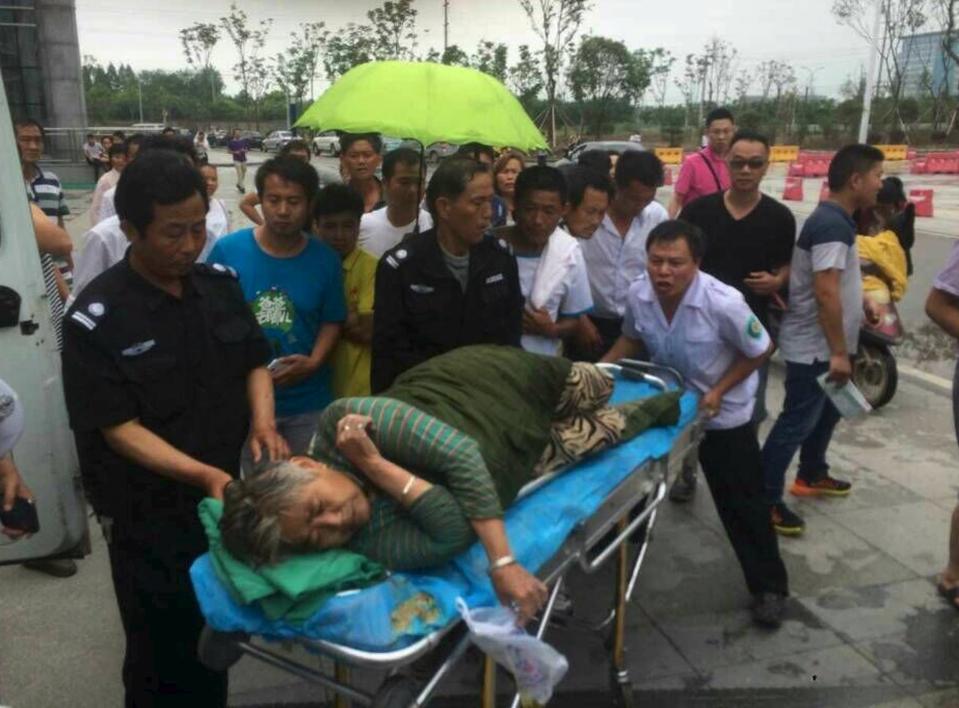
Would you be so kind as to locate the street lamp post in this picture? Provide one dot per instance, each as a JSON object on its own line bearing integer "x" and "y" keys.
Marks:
{"x": 140, "y": 96}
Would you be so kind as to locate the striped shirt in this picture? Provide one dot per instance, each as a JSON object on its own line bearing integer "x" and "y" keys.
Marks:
{"x": 46, "y": 192}
{"x": 436, "y": 526}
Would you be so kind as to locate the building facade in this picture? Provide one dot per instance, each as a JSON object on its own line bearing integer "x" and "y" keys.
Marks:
{"x": 926, "y": 67}
{"x": 40, "y": 61}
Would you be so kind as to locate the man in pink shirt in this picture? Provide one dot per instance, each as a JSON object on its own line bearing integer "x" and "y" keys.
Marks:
{"x": 705, "y": 171}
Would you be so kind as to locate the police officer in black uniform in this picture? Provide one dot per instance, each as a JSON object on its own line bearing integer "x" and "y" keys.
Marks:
{"x": 447, "y": 287}
{"x": 165, "y": 378}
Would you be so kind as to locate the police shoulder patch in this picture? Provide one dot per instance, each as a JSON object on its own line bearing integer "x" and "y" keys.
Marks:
{"x": 754, "y": 330}
{"x": 217, "y": 269}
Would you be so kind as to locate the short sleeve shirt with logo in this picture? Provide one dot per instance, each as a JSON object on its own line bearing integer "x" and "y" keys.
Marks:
{"x": 291, "y": 298}
{"x": 712, "y": 326}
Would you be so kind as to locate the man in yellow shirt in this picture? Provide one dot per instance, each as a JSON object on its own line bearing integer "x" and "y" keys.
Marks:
{"x": 336, "y": 219}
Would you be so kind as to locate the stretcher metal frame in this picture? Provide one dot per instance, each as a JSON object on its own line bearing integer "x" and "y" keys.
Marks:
{"x": 628, "y": 514}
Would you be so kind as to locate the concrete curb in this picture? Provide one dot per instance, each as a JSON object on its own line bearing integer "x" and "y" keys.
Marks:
{"x": 929, "y": 382}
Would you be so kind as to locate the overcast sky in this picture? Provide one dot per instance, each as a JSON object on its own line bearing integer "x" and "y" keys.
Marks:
{"x": 143, "y": 33}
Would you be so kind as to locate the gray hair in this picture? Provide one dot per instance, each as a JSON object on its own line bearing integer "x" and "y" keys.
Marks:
{"x": 252, "y": 507}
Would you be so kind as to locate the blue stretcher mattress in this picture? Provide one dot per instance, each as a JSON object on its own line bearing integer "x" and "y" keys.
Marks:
{"x": 408, "y": 606}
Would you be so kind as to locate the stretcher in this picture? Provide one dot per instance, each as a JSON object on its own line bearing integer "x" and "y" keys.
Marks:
{"x": 604, "y": 507}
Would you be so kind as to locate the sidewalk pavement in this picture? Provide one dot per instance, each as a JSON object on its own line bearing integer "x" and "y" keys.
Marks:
{"x": 865, "y": 626}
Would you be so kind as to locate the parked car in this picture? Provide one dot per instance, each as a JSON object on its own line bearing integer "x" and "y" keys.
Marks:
{"x": 437, "y": 151}
{"x": 328, "y": 142}
{"x": 609, "y": 146}
{"x": 254, "y": 139}
{"x": 275, "y": 141}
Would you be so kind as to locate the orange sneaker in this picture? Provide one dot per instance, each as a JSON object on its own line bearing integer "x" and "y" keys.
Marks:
{"x": 825, "y": 487}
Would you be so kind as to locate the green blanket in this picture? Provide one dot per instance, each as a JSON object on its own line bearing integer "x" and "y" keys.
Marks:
{"x": 501, "y": 397}
{"x": 293, "y": 589}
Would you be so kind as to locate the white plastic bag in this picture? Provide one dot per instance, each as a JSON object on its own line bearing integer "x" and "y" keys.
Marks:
{"x": 535, "y": 665}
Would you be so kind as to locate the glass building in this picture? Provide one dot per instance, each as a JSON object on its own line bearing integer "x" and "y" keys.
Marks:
{"x": 926, "y": 68}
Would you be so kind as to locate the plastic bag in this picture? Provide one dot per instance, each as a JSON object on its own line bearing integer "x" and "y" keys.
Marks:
{"x": 535, "y": 665}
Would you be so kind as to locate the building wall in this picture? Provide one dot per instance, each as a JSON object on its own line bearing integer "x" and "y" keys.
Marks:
{"x": 925, "y": 66}
{"x": 40, "y": 60}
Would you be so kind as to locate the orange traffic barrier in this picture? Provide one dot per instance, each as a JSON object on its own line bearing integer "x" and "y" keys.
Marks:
{"x": 783, "y": 153}
{"x": 670, "y": 156}
{"x": 894, "y": 152}
{"x": 797, "y": 169}
{"x": 922, "y": 198}
{"x": 793, "y": 190}
{"x": 824, "y": 191}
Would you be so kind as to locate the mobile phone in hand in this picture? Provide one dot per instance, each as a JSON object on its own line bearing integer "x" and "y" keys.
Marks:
{"x": 22, "y": 517}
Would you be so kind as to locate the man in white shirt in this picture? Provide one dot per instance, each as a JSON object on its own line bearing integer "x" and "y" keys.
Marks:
{"x": 703, "y": 328}
{"x": 552, "y": 272}
{"x": 383, "y": 228}
{"x": 94, "y": 154}
{"x": 616, "y": 254}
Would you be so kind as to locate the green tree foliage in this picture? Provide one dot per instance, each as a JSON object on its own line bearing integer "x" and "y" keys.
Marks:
{"x": 491, "y": 58}
{"x": 390, "y": 34}
{"x": 454, "y": 56}
{"x": 198, "y": 41}
{"x": 251, "y": 69}
{"x": 525, "y": 77}
{"x": 604, "y": 72}
{"x": 296, "y": 68}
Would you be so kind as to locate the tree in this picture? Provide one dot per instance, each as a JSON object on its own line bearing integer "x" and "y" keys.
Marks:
{"x": 688, "y": 84}
{"x": 898, "y": 19}
{"x": 453, "y": 55}
{"x": 604, "y": 71}
{"x": 491, "y": 58}
{"x": 660, "y": 66}
{"x": 296, "y": 68}
{"x": 347, "y": 48}
{"x": 556, "y": 23}
{"x": 393, "y": 30}
{"x": 525, "y": 77}
{"x": 715, "y": 67}
{"x": 198, "y": 41}
{"x": 250, "y": 70}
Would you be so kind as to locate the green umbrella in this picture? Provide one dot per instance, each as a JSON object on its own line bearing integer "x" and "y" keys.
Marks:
{"x": 426, "y": 102}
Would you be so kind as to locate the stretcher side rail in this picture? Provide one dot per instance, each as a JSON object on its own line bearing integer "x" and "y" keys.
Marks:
{"x": 648, "y": 481}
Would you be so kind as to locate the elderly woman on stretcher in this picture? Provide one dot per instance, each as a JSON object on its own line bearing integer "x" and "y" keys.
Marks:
{"x": 412, "y": 477}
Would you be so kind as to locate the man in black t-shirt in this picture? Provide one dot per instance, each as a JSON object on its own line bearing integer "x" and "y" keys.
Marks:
{"x": 749, "y": 244}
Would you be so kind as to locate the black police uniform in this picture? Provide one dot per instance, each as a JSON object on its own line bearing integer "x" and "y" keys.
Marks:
{"x": 421, "y": 310}
{"x": 179, "y": 366}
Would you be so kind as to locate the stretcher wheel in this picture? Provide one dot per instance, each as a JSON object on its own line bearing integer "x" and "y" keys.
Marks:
{"x": 396, "y": 692}
{"x": 218, "y": 651}
{"x": 620, "y": 689}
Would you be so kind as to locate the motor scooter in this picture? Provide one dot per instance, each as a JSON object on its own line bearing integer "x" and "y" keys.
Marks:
{"x": 874, "y": 370}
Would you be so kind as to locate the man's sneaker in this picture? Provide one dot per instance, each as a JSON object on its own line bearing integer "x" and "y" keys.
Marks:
{"x": 825, "y": 487}
{"x": 57, "y": 567}
{"x": 768, "y": 609}
{"x": 786, "y": 522}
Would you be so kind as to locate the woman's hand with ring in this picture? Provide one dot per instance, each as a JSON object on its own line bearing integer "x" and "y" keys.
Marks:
{"x": 353, "y": 441}
{"x": 520, "y": 590}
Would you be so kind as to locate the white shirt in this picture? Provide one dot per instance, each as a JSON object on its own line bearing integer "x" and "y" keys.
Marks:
{"x": 378, "y": 235}
{"x": 106, "y": 182}
{"x": 94, "y": 151}
{"x": 712, "y": 326}
{"x": 217, "y": 226}
{"x": 570, "y": 298}
{"x": 102, "y": 246}
{"x": 107, "y": 207}
{"x": 613, "y": 262}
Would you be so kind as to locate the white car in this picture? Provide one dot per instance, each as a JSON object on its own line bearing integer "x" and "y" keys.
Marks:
{"x": 276, "y": 140}
{"x": 328, "y": 142}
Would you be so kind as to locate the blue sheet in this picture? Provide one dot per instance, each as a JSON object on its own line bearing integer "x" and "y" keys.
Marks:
{"x": 408, "y": 606}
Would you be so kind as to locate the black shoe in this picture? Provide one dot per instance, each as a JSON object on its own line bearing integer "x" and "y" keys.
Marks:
{"x": 57, "y": 567}
{"x": 768, "y": 609}
{"x": 785, "y": 521}
{"x": 684, "y": 488}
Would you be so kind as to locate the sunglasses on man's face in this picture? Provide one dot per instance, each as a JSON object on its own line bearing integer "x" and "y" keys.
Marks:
{"x": 755, "y": 164}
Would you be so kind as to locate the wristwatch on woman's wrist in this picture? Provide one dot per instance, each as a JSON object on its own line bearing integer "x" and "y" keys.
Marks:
{"x": 500, "y": 562}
